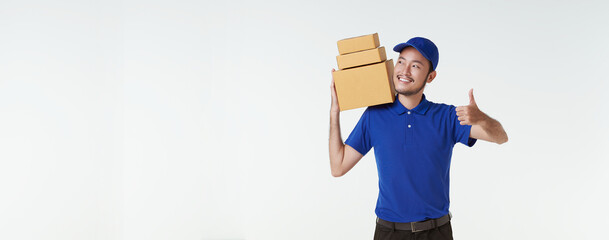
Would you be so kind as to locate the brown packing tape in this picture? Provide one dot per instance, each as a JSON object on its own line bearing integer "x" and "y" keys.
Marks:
{"x": 356, "y": 44}
{"x": 365, "y": 86}
{"x": 361, "y": 58}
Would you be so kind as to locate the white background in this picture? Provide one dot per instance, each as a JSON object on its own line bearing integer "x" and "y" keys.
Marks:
{"x": 209, "y": 120}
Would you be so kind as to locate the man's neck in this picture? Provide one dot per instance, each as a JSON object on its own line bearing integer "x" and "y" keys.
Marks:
{"x": 411, "y": 101}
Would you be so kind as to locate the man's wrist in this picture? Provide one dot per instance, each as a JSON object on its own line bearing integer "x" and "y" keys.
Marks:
{"x": 334, "y": 116}
{"x": 334, "y": 112}
{"x": 487, "y": 121}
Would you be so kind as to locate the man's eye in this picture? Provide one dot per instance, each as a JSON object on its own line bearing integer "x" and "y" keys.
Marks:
{"x": 415, "y": 66}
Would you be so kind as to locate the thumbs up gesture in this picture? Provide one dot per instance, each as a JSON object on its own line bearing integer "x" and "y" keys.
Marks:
{"x": 470, "y": 114}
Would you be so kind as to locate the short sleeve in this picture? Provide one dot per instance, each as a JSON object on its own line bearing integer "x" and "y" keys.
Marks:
{"x": 359, "y": 139}
{"x": 461, "y": 132}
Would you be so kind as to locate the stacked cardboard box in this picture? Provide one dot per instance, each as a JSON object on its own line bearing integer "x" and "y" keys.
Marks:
{"x": 365, "y": 76}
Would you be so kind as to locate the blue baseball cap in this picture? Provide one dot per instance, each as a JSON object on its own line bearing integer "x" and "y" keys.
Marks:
{"x": 425, "y": 46}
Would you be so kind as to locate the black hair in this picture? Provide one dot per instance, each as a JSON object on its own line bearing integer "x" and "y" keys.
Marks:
{"x": 430, "y": 67}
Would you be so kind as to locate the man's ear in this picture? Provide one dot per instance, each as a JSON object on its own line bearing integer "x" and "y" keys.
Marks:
{"x": 431, "y": 76}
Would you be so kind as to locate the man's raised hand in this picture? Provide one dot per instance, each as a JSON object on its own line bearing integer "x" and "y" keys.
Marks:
{"x": 334, "y": 108}
{"x": 470, "y": 114}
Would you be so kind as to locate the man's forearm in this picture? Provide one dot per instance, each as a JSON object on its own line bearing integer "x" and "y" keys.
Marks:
{"x": 337, "y": 147}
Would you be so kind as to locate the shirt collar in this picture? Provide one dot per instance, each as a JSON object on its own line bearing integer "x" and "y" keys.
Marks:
{"x": 399, "y": 109}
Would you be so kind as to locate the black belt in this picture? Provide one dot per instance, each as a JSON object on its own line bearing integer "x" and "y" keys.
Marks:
{"x": 416, "y": 226}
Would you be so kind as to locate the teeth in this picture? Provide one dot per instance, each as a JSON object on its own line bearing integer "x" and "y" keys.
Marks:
{"x": 404, "y": 80}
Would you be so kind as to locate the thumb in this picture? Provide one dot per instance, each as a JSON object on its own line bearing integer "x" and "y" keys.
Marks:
{"x": 472, "y": 101}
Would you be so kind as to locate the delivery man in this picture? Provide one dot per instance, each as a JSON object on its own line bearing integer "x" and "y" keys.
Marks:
{"x": 413, "y": 139}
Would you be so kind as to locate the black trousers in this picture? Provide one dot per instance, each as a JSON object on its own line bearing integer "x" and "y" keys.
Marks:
{"x": 444, "y": 232}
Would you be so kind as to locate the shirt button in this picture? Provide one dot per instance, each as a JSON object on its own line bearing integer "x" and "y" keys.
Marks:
{"x": 408, "y": 112}
{"x": 409, "y": 126}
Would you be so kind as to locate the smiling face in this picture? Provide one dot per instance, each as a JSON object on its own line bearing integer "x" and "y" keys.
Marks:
{"x": 412, "y": 72}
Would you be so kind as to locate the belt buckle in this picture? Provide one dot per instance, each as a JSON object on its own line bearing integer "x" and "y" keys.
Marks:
{"x": 413, "y": 228}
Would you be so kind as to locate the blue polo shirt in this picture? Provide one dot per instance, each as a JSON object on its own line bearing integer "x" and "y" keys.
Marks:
{"x": 413, "y": 148}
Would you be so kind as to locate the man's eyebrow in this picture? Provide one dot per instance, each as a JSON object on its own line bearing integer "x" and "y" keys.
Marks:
{"x": 417, "y": 61}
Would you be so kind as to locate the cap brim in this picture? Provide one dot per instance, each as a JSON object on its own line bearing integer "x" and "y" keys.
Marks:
{"x": 401, "y": 46}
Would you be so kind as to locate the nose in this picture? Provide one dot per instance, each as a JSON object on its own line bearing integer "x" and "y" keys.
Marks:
{"x": 405, "y": 71}
{"x": 401, "y": 70}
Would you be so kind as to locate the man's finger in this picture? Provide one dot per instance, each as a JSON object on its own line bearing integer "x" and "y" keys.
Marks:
{"x": 332, "y": 82}
{"x": 462, "y": 109}
{"x": 333, "y": 88}
{"x": 472, "y": 101}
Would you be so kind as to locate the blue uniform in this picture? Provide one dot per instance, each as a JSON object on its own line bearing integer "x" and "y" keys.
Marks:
{"x": 413, "y": 149}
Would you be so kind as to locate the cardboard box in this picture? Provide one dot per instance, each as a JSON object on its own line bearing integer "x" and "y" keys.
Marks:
{"x": 365, "y": 86}
{"x": 356, "y": 44}
{"x": 361, "y": 58}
